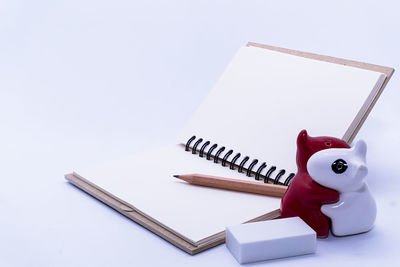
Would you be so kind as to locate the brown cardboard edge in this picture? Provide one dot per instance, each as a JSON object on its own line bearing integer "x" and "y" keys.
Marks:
{"x": 149, "y": 224}
{"x": 388, "y": 71}
{"x": 129, "y": 207}
{"x": 385, "y": 70}
{"x": 133, "y": 215}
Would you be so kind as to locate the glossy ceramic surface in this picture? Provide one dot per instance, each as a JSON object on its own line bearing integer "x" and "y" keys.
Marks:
{"x": 345, "y": 170}
{"x": 304, "y": 197}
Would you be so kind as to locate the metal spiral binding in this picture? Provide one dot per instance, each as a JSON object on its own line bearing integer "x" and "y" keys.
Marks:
{"x": 257, "y": 174}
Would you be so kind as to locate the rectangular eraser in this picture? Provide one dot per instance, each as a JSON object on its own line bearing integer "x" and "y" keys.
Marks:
{"x": 271, "y": 239}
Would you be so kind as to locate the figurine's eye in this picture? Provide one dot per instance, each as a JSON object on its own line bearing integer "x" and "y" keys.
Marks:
{"x": 328, "y": 144}
{"x": 339, "y": 166}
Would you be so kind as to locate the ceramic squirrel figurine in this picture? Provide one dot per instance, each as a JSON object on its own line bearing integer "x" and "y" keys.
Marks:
{"x": 344, "y": 170}
{"x": 304, "y": 197}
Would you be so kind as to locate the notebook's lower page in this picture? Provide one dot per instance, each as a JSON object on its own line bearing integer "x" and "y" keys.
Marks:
{"x": 145, "y": 181}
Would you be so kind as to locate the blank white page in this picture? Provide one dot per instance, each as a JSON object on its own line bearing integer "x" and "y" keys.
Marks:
{"x": 265, "y": 98}
{"x": 146, "y": 182}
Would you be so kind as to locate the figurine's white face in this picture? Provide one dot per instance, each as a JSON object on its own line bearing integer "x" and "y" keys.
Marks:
{"x": 342, "y": 169}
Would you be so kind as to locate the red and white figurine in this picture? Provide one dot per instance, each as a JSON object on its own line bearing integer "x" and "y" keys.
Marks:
{"x": 304, "y": 197}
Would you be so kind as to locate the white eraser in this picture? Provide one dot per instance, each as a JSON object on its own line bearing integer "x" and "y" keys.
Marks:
{"x": 271, "y": 239}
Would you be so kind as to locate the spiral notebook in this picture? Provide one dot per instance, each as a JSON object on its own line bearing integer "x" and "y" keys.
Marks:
{"x": 246, "y": 129}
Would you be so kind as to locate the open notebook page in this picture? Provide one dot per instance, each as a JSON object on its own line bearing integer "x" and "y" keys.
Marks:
{"x": 193, "y": 212}
{"x": 264, "y": 98}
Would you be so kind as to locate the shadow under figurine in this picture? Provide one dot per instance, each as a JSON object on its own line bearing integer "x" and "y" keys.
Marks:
{"x": 304, "y": 197}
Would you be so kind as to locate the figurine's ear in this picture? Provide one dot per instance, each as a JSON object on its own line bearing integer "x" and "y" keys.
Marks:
{"x": 302, "y": 137}
{"x": 360, "y": 149}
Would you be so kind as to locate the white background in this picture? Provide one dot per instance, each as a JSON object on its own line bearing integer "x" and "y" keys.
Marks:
{"x": 85, "y": 81}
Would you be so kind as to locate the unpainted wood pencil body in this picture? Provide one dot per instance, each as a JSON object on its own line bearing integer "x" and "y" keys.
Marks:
{"x": 234, "y": 184}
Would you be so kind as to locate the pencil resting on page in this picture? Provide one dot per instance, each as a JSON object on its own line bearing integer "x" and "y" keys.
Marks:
{"x": 234, "y": 184}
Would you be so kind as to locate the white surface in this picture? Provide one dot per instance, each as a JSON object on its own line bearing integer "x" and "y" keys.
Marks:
{"x": 83, "y": 82}
{"x": 145, "y": 181}
{"x": 265, "y": 98}
{"x": 268, "y": 240}
{"x": 355, "y": 212}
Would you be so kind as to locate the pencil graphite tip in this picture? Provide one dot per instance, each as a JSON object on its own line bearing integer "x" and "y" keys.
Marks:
{"x": 176, "y": 176}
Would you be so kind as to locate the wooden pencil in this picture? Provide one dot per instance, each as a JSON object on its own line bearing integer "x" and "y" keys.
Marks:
{"x": 234, "y": 184}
